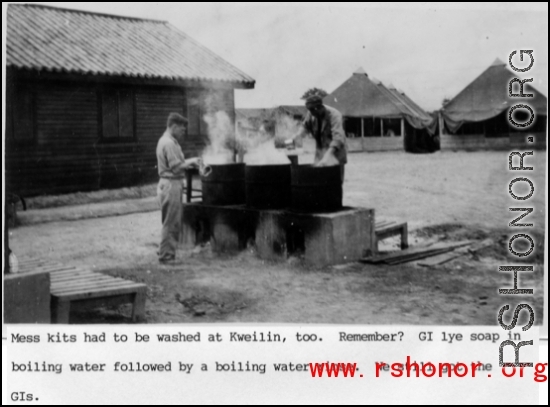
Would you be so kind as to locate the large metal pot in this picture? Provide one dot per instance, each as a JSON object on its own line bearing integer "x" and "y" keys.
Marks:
{"x": 316, "y": 189}
{"x": 223, "y": 184}
{"x": 268, "y": 186}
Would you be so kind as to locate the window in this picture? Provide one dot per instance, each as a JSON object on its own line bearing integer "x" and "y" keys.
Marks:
{"x": 117, "y": 115}
{"x": 20, "y": 112}
{"x": 392, "y": 127}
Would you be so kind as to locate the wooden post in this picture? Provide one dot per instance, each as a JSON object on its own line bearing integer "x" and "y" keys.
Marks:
{"x": 60, "y": 312}
{"x": 362, "y": 135}
{"x": 138, "y": 306}
{"x": 381, "y": 127}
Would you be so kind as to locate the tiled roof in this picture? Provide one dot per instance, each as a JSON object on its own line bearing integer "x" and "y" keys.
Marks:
{"x": 61, "y": 40}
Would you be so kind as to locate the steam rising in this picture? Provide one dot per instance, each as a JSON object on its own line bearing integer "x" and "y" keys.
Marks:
{"x": 221, "y": 135}
{"x": 266, "y": 154}
{"x": 257, "y": 142}
{"x": 261, "y": 146}
{"x": 286, "y": 127}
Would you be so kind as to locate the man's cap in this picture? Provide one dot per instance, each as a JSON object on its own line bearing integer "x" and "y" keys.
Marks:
{"x": 314, "y": 100}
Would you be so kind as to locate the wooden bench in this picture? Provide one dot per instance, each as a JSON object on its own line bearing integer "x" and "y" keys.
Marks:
{"x": 384, "y": 229}
{"x": 74, "y": 288}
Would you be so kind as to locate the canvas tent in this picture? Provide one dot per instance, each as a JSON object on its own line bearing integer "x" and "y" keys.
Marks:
{"x": 379, "y": 117}
{"x": 478, "y": 116}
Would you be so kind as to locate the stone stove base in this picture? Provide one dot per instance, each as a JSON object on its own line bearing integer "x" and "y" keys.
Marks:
{"x": 321, "y": 238}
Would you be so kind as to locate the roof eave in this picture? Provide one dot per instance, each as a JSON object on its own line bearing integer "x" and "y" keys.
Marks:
{"x": 46, "y": 73}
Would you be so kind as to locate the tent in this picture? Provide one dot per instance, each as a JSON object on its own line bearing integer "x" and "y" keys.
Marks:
{"x": 378, "y": 114}
{"x": 482, "y": 107}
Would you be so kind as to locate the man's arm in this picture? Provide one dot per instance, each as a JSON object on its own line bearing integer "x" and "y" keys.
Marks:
{"x": 338, "y": 135}
{"x": 338, "y": 141}
{"x": 305, "y": 128}
{"x": 176, "y": 161}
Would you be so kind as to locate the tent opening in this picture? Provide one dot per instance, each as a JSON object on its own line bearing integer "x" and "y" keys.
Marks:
{"x": 372, "y": 127}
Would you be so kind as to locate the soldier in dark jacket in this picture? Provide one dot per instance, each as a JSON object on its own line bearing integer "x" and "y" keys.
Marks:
{"x": 324, "y": 123}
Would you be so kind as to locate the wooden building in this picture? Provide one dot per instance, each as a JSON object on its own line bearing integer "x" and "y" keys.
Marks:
{"x": 88, "y": 96}
{"x": 252, "y": 118}
{"x": 477, "y": 118}
{"x": 379, "y": 117}
{"x": 278, "y": 121}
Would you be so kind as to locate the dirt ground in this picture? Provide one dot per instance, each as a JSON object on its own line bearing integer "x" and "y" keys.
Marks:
{"x": 445, "y": 196}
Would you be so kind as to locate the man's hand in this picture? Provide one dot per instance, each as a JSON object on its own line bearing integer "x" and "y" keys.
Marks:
{"x": 192, "y": 162}
{"x": 329, "y": 159}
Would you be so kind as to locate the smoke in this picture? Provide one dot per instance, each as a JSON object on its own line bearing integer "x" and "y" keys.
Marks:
{"x": 261, "y": 146}
{"x": 255, "y": 140}
{"x": 266, "y": 154}
{"x": 286, "y": 128}
{"x": 251, "y": 135}
{"x": 221, "y": 136}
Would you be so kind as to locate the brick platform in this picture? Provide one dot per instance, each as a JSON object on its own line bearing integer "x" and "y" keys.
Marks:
{"x": 323, "y": 239}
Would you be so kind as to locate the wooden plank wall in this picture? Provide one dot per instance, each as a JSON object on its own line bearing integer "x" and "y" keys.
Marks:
{"x": 466, "y": 142}
{"x": 519, "y": 141}
{"x": 67, "y": 154}
{"x": 480, "y": 142}
{"x": 373, "y": 144}
{"x": 497, "y": 143}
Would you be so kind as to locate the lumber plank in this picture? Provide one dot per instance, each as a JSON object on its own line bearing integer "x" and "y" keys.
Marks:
{"x": 69, "y": 271}
{"x": 87, "y": 285}
{"x": 449, "y": 254}
{"x": 131, "y": 287}
{"x": 443, "y": 258}
{"x": 53, "y": 268}
{"x": 32, "y": 267}
{"x": 81, "y": 280}
{"x": 389, "y": 227}
{"x": 446, "y": 257}
{"x": 412, "y": 251}
{"x": 56, "y": 276}
{"x": 419, "y": 256}
{"x": 85, "y": 282}
{"x": 381, "y": 224}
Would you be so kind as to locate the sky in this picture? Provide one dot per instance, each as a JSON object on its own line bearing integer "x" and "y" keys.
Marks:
{"x": 431, "y": 51}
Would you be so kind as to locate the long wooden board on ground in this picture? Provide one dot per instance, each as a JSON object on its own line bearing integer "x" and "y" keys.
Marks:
{"x": 446, "y": 257}
{"x": 418, "y": 256}
{"x": 414, "y": 253}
